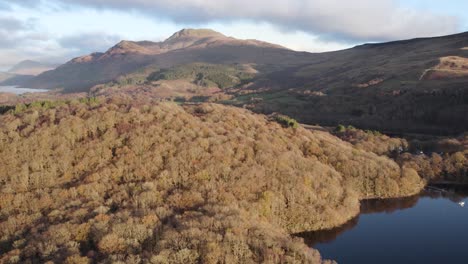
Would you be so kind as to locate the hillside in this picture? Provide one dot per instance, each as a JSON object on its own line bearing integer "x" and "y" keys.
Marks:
{"x": 30, "y": 67}
{"x": 5, "y": 76}
{"x": 189, "y": 82}
{"x": 413, "y": 85}
{"x": 16, "y": 80}
{"x": 13, "y": 79}
{"x": 88, "y": 181}
{"x": 23, "y": 72}
{"x": 405, "y": 86}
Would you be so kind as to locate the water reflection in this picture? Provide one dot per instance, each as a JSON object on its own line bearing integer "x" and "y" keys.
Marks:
{"x": 367, "y": 207}
{"x": 327, "y": 236}
{"x": 388, "y": 205}
{"x": 456, "y": 194}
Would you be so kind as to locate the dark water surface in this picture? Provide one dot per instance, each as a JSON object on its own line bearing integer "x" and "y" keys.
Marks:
{"x": 430, "y": 228}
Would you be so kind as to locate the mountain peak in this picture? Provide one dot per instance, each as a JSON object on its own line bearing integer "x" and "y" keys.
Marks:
{"x": 141, "y": 47}
{"x": 25, "y": 63}
{"x": 195, "y": 33}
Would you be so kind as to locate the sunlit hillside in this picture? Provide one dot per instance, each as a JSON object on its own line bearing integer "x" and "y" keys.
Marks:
{"x": 88, "y": 181}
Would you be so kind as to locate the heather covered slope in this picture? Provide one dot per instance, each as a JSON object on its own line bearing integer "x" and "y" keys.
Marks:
{"x": 414, "y": 85}
{"x": 166, "y": 183}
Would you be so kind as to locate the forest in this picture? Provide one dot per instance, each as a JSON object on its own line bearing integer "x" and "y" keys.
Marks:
{"x": 436, "y": 159}
{"x": 120, "y": 181}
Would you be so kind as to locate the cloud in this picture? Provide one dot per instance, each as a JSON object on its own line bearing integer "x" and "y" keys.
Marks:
{"x": 357, "y": 20}
{"x": 4, "y": 5}
{"x": 20, "y": 40}
{"x": 46, "y": 48}
{"x": 12, "y": 31}
{"x": 8, "y": 4}
{"x": 9, "y": 23}
{"x": 89, "y": 42}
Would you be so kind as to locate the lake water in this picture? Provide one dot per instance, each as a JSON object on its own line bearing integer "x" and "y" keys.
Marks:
{"x": 16, "y": 90}
{"x": 430, "y": 228}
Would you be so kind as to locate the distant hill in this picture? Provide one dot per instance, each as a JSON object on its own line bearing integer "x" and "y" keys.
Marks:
{"x": 30, "y": 67}
{"x": 16, "y": 80}
{"x": 416, "y": 85}
{"x": 5, "y": 76}
{"x": 12, "y": 79}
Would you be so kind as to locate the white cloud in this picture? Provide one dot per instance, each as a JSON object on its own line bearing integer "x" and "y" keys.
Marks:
{"x": 89, "y": 42}
{"x": 296, "y": 40}
{"x": 364, "y": 20}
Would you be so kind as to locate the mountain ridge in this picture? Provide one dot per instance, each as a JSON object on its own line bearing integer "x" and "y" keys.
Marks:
{"x": 185, "y": 46}
{"x": 185, "y": 38}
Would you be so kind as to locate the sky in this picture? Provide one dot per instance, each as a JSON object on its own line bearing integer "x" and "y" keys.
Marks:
{"x": 58, "y": 30}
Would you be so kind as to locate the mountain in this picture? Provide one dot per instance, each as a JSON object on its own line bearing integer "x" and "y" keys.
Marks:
{"x": 23, "y": 72}
{"x": 15, "y": 79}
{"x": 185, "y": 46}
{"x": 12, "y": 79}
{"x": 29, "y": 67}
{"x": 5, "y": 76}
{"x": 416, "y": 85}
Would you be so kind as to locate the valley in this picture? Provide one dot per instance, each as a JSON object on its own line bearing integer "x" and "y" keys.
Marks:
{"x": 203, "y": 148}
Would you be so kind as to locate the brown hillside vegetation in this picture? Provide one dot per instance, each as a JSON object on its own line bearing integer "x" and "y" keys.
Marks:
{"x": 113, "y": 182}
{"x": 372, "y": 141}
{"x": 439, "y": 160}
{"x": 448, "y": 67}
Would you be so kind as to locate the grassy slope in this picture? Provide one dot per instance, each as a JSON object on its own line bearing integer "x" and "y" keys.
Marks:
{"x": 201, "y": 74}
{"x": 221, "y": 76}
{"x": 194, "y": 82}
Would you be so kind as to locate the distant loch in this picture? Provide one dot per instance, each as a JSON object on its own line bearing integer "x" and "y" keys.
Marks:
{"x": 17, "y": 90}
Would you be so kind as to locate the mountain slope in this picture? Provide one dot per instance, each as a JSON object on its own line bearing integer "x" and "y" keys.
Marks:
{"x": 5, "y": 76}
{"x": 16, "y": 80}
{"x": 183, "y": 47}
{"x": 13, "y": 79}
{"x": 414, "y": 85}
